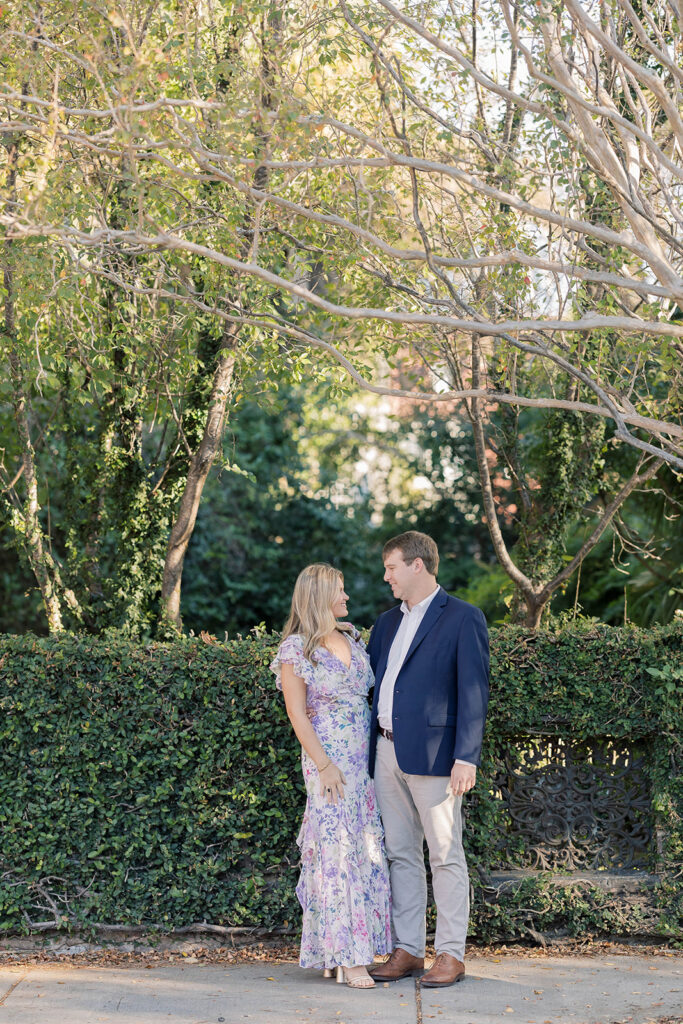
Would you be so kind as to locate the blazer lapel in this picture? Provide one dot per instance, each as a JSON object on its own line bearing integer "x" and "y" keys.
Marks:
{"x": 386, "y": 647}
{"x": 431, "y": 616}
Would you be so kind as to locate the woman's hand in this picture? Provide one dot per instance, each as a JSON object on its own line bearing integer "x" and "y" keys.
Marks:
{"x": 332, "y": 783}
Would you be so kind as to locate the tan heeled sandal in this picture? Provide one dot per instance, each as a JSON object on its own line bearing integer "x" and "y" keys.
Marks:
{"x": 339, "y": 974}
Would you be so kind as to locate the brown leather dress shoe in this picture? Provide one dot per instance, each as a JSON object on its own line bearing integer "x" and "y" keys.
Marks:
{"x": 399, "y": 965}
{"x": 445, "y": 971}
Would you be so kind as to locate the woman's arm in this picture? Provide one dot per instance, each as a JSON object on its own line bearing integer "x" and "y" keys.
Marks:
{"x": 294, "y": 690}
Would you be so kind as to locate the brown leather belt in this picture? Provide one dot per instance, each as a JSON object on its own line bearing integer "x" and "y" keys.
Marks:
{"x": 387, "y": 733}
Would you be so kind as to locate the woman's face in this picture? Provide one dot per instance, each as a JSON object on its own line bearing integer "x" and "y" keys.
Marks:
{"x": 339, "y": 603}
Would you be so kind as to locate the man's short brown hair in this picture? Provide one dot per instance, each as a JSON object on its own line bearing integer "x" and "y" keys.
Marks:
{"x": 412, "y": 545}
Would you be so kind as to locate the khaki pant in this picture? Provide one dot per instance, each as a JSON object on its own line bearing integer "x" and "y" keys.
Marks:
{"x": 415, "y": 807}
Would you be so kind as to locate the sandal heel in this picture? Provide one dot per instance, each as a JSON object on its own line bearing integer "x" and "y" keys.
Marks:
{"x": 328, "y": 973}
{"x": 341, "y": 980}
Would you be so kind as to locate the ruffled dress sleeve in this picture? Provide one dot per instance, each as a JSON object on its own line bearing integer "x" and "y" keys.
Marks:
{"x": 291, "y": 652}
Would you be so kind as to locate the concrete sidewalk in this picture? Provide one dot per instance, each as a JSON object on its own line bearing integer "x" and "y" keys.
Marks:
{"x": 552, "y": 990}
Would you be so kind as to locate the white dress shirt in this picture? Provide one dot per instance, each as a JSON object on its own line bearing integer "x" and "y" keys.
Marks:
{"x": 405, "y": 634}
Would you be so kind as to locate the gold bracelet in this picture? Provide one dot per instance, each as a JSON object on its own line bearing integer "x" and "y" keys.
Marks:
{"x": 324, "y": 767}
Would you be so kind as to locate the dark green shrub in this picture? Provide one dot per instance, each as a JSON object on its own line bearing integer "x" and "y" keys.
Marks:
{"x": 160, "y": 784}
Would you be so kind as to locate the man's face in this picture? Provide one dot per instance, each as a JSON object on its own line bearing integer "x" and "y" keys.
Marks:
{"x": 399, "y": 576}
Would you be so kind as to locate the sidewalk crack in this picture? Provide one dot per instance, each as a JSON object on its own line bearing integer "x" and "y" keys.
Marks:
{"x": 418, "y": 1002}
{"x": 10, "y": 990}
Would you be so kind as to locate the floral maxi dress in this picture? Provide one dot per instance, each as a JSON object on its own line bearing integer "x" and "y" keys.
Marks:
{"x": 343, "y": 888}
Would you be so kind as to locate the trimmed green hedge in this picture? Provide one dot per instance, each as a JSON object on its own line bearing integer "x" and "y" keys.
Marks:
{"x": 160, "y": 785}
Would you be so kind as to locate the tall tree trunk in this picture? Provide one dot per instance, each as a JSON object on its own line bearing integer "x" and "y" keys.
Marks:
{"x": 521, "y": 581}
{"x": 200, "y": 465}
{"x": 39, "y": 558}
{"x": 209, "y": 446}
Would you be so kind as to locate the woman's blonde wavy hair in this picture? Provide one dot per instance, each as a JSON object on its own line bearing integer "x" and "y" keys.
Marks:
{"x": 311, "y": 614}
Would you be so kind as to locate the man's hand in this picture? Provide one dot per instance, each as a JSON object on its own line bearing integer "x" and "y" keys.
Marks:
{"x": 463, "y": 778}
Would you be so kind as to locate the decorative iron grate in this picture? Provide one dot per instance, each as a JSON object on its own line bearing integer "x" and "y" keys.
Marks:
{"x": 573, "y": 805}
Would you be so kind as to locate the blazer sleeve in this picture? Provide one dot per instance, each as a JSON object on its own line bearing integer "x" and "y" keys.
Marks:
{"x": 473, "y": 687}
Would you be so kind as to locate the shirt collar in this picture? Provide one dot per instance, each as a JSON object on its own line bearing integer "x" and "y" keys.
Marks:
{"x": 422, "y": 605}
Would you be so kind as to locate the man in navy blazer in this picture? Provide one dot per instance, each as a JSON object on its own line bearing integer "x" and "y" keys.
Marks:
{"x": 430, "y": 656}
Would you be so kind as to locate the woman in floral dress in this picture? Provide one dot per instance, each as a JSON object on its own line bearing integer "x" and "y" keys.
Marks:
{"x": 323, "y": 670}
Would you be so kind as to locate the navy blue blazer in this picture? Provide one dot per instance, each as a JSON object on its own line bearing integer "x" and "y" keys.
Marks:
{"x": 441, "y": 692}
